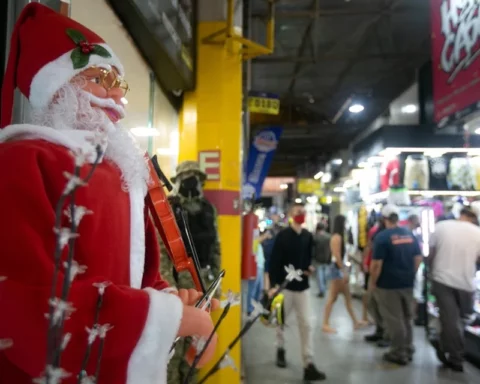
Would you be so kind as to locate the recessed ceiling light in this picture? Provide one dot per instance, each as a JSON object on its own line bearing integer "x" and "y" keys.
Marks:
{"x": 477, "y": 131}
{"x": 356, "y": 108}
{"x": 409, "y": 108}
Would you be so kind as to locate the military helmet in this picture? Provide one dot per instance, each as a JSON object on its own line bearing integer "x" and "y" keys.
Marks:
{"x": 276, "y": 314}
{"x": 189, "y": 166}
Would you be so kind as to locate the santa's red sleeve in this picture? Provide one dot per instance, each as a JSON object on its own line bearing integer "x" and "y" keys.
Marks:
{"x": 145, "y": 322}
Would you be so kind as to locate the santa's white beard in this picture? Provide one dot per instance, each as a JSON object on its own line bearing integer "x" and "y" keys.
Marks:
{"x": 72, "y": 109}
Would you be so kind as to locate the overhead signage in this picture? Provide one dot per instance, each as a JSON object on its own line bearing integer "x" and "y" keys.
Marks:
{"x": 266, "y": 103}
{"x": 309, "y": 186}
{"x": 455, "y": 58}
{"x": 209, "y": 162}
{"x": 260, "y": 157}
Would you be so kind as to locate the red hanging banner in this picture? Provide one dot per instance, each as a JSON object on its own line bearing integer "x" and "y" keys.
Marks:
{"x": 455, "y": 57}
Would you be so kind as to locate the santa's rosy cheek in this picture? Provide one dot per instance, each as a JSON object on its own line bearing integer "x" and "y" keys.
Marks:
{"x": 95, "y": 89}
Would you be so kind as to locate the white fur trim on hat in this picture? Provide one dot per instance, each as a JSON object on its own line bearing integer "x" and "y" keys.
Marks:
{"x": 59, "y": 72}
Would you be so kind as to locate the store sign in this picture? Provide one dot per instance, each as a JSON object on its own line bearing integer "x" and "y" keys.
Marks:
{"x": 259, "y": 159}
{"x": 455, "y": 58}
{"x": 265, "y": 103}
{"x": 309, "y": 186}
{"x": 209, "y": 162}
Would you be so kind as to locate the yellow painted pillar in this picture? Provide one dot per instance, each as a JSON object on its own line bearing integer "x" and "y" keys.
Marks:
{"x": 188, "y": 128}
{"x": 211, "y": 132}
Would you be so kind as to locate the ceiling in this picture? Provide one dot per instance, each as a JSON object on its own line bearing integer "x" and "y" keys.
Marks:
{"x": 328, "y": 55}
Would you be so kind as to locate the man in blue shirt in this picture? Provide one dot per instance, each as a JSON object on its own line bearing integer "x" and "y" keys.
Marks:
{"x": 396, "y": 258}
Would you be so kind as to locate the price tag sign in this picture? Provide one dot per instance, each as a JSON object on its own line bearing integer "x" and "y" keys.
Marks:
{"x": 268, "y": 104}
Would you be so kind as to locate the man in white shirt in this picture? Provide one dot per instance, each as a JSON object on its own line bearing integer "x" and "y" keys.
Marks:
{"x": 454, "y": 253}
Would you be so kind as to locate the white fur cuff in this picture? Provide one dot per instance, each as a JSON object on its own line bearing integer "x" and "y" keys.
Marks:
{"x": 170, "y": 290}
{"x": 148, "y": 363}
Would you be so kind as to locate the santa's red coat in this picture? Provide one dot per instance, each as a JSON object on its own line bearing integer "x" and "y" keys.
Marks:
{"x": 117, "y": 243}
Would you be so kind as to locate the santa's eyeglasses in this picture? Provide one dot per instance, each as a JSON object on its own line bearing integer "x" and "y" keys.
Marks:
{"x": 109, "y": 78}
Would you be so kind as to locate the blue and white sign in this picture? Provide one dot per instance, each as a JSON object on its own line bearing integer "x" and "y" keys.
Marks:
{"x": 260, "y": 157}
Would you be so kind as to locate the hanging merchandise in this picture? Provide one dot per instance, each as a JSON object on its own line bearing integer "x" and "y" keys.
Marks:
{"x": 457, "y": 207}
{"x": 438, "y": 173}
{"x": 462, "y": 175}
{"x": 370, "y": 182}
{"x": 416, "y": 172}
{"x": 398, "y": 195}
{"x": 475, "y": 162}
{"x": 372, "y": 219}
{"x": 435, "y": 205}
{"x": 390, "y": 173}
{"x": 475, "y": 206}
{"x": 362, "y": 227}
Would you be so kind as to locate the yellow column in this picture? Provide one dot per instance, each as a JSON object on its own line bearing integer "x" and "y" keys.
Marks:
{"x": 210, "y": 123}
{"x": 188, "y": 128}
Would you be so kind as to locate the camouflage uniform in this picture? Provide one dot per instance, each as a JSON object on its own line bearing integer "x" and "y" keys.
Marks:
{"x": 178, "y": 367}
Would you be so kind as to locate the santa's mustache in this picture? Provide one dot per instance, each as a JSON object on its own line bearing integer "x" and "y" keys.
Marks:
{"x": 105, "y": 103}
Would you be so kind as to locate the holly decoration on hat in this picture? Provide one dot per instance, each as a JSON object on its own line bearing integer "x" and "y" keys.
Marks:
{"x": 81, "y": 55}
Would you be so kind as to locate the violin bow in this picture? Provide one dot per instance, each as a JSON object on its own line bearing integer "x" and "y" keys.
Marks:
{"x": 166, "y": 183}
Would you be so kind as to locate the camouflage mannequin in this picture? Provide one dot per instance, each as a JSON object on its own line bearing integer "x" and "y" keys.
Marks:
{"x": 202, "y": 221}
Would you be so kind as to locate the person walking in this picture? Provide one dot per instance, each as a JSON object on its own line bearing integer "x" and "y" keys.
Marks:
{"x": 322, "y": 257}
{"x": 396, "y": 258}
{"x": 256, "y": 287}
{"x": 338, "y": 277}
{"x": 294, "y": 246}
{"x": 370, "y": 303}
{"x": 454, "y": 254}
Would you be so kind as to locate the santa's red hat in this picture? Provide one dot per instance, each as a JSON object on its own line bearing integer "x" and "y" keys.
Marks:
{"x": 47, "y": 50}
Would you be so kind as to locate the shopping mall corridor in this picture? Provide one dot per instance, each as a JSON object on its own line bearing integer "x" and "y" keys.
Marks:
{"x": 345, "y": 357}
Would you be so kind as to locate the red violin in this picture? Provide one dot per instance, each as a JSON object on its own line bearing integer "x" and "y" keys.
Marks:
{"x": 167, "y": 226}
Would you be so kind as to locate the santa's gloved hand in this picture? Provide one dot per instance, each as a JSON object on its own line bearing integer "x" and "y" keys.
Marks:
{"x": 191, "y": 296}
{"x": 198, "y": 324}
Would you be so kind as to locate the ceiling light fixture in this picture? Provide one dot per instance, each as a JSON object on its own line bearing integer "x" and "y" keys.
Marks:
{"x": 318, "y": 175}
{"x": 356, "y": 108}
{"x": 124, "y": 101}
{"x": 144, "y": 132}
{"x": 283, "y": 186}
{"x": 298, "y": 200}
{"x": 409, "y": 108}
{"x": 327, "y": 178}
{"x": 477, "y": 131}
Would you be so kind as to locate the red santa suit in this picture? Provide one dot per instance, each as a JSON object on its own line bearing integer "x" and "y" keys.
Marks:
{"x": 117, "y": 242}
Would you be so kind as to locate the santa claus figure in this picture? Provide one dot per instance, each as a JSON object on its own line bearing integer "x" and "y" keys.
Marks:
{"x": 74, "y": 83}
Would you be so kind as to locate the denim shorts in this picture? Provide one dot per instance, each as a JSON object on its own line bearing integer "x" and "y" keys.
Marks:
{"x": 335, "y": 272}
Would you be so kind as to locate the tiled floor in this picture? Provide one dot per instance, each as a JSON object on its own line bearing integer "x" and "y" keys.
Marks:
{"x": 345, "y": 357}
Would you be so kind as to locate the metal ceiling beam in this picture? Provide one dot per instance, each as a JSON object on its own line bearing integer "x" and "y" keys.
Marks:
{"x": 338, "y": 57}
{"x": 302, "y": 47}
{"x": 312, "y": 14}
{"x": 312, "y": 127}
